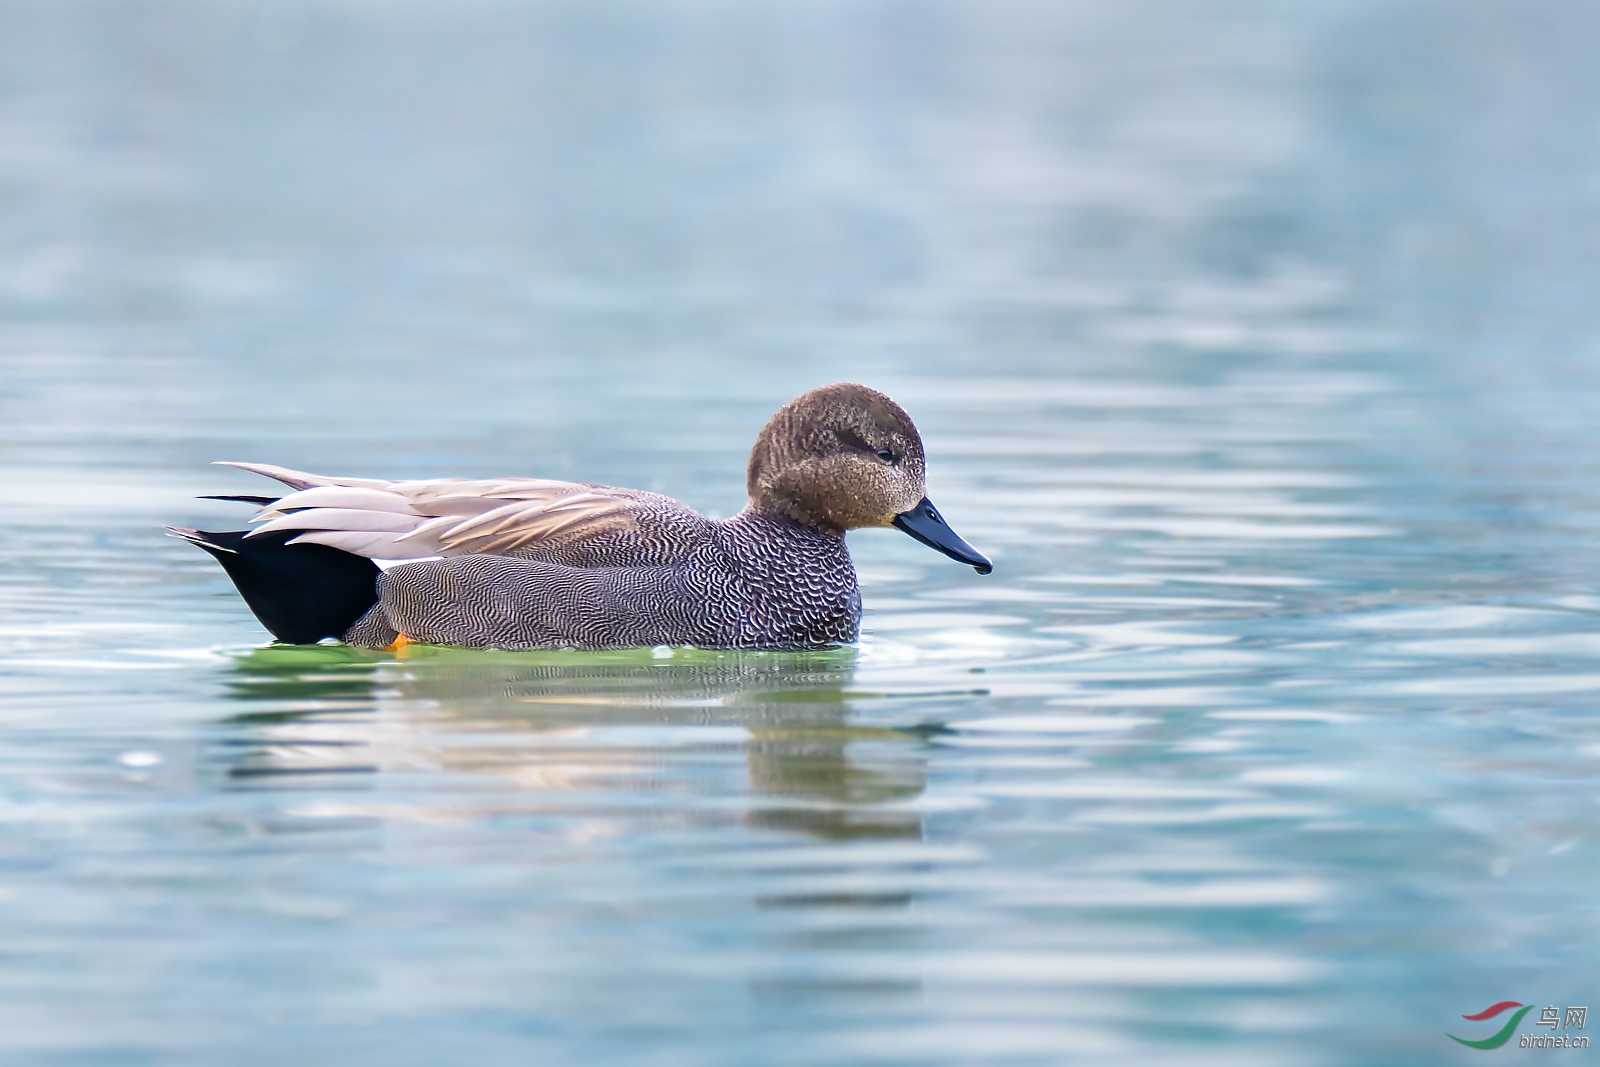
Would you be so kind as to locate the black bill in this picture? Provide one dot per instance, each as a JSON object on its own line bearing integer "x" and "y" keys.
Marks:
{"x": 926, "y": 524}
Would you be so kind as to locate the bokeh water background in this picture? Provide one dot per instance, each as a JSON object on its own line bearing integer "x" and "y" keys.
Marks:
{"x": 1257, "y": 342}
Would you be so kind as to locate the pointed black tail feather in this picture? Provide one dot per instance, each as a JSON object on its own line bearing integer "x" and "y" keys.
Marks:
{"x": 238, "y": 499}
{"x": 302, "y": 593}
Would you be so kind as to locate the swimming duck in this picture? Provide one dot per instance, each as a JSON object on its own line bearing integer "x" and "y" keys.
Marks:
{"x": 520, "y": 563}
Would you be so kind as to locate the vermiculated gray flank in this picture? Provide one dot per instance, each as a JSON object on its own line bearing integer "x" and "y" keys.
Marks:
{"x": 754, "y": 581}
{"x": 524, "y": 563}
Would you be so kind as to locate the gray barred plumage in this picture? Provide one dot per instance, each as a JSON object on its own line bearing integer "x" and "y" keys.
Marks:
{"x": 523, "y": 563}
{"x": 754, "y": 581}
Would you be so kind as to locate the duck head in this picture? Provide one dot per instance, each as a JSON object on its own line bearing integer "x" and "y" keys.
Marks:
{"x": 843, "y": 457}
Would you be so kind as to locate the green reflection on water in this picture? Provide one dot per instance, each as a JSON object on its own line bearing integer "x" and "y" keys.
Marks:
{"x": 574, "y": 714}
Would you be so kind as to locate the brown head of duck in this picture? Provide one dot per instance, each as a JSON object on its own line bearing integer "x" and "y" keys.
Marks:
{"x": 844, "y": 457}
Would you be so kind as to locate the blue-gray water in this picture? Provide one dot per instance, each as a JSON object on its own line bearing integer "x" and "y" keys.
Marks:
{"x": 1257, "y": 342}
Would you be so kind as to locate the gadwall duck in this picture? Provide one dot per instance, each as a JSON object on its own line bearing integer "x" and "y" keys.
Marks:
{"x": 520, "y": 563}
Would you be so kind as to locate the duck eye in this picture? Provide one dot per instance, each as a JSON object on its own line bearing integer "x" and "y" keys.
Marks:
{"x": 886, "y": 455}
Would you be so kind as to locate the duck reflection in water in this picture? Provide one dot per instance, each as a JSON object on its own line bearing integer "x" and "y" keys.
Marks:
{"x": 337, "y": 719}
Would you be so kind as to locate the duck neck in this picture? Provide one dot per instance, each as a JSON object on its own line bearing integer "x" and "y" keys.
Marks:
{"x": 753, "y": 516}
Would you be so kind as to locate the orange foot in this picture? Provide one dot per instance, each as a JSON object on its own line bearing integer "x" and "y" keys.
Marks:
{"x": 400, "y": 642}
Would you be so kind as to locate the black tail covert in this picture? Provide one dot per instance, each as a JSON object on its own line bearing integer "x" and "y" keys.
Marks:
{"x": 302, "y": 593}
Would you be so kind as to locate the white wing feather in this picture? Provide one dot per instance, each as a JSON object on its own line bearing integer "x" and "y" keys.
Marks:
{"x": 446, "y": 516}
{"x": 338, "y": 496}
{"x": 342, "y": 519}
{"x": 371, "y": 545}
{"x": 301, "y": 479}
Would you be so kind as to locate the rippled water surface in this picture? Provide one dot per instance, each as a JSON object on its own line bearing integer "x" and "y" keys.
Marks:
{"x": 1256, "y": 343}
